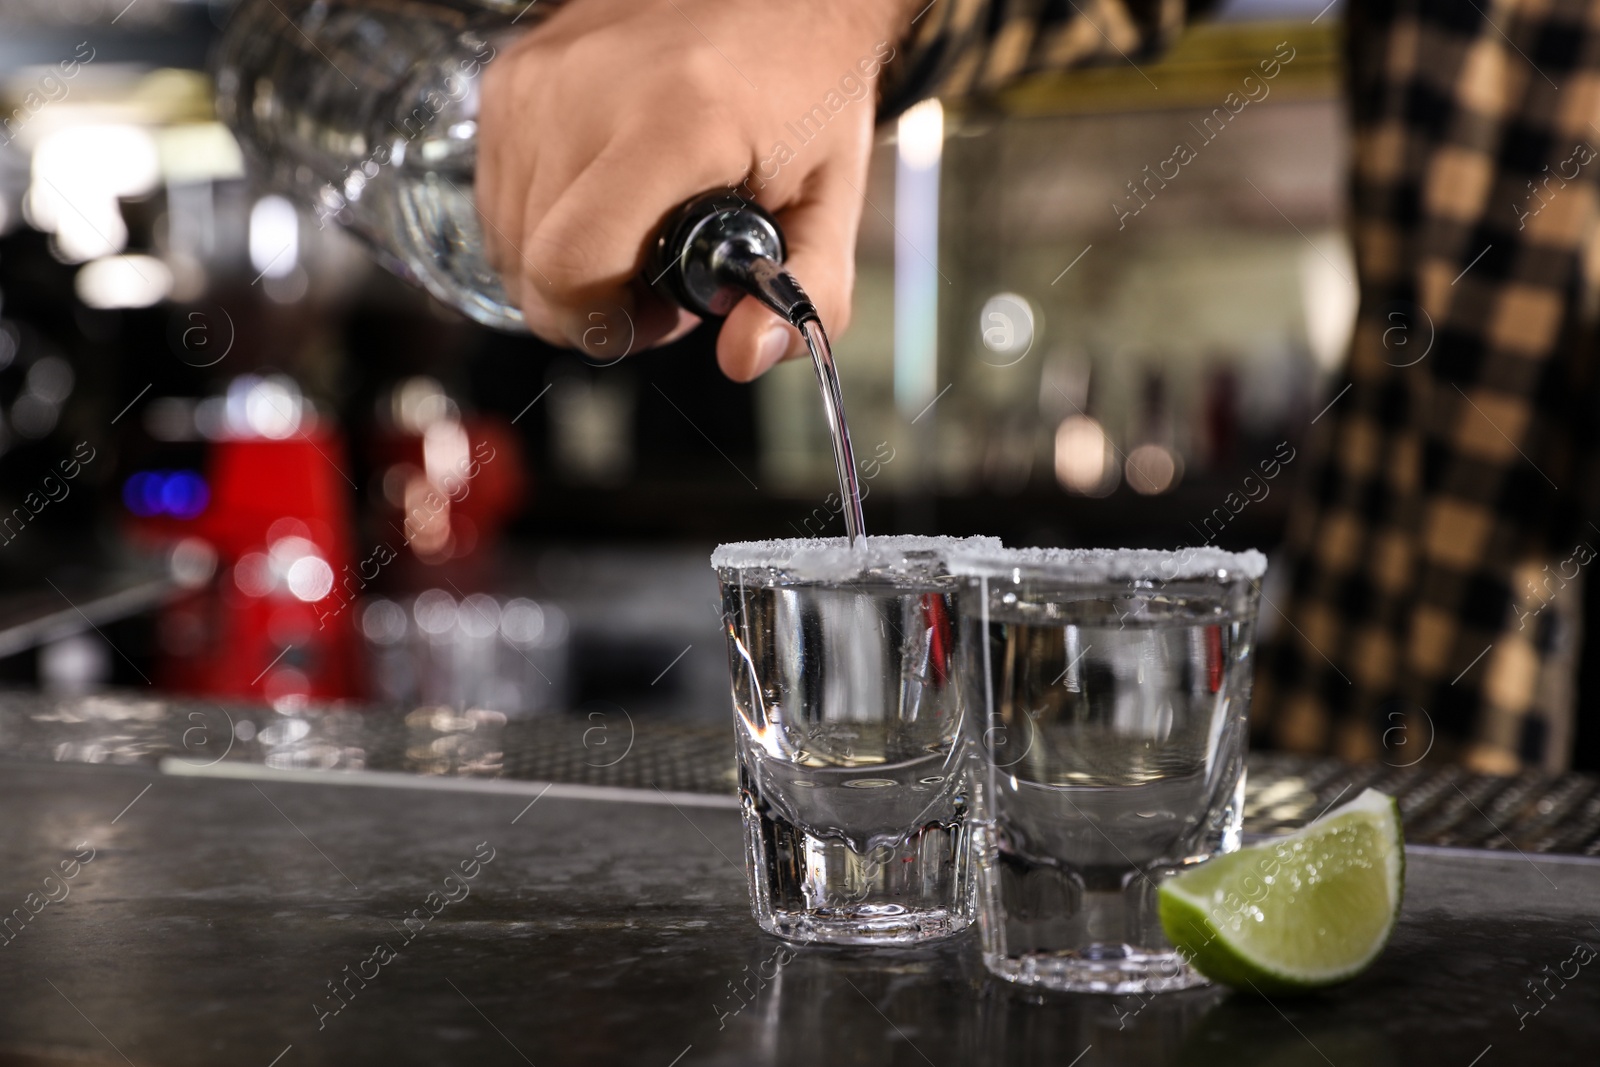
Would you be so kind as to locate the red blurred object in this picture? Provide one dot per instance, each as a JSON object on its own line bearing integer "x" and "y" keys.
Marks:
{"x": 449, "y": 493}
{"x": 937, "y": 617}
{"x": 271, "y": 624}
{"x": 1222, "y": 417}
{"x": 1213, "y": 658}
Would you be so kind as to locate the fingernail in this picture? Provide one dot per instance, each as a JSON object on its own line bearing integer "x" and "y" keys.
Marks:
{"x": 772, "y": 348}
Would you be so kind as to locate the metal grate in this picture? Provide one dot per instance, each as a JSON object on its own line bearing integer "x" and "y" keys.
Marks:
{"x": 1442, "y": 805}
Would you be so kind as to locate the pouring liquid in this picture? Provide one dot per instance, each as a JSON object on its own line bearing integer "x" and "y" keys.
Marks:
{"x": 844, "y": 456}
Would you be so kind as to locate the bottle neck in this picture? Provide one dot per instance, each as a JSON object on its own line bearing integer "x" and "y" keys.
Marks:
{"x": 765, "y": 279}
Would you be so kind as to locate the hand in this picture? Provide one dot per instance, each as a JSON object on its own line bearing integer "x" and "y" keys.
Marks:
{"x": 597, "y": 123}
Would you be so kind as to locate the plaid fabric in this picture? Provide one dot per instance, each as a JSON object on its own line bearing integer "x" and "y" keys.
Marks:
{"x": 1444, "y": 522}
{"x": 1442, "y": 483}
{"x": 967, "y": 46}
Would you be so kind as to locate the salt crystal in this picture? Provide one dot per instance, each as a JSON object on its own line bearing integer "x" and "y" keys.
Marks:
{"x": 837, "y": 558}
{"x": 1090, "y": 565}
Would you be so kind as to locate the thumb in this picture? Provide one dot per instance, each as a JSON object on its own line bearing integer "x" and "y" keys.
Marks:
{"x": 820, "y": 230}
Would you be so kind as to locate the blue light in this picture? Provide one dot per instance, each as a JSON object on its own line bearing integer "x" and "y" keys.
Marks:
{"x": 142, "y": 494}
{"x": 181, "y": 494}
{"x": 184, "y": 495}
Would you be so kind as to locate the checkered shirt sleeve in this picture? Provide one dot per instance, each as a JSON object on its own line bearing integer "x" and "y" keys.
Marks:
{"x": 963, "y": 47}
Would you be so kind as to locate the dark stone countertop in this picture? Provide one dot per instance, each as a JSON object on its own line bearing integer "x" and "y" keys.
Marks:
{"x": 214, "y": 912}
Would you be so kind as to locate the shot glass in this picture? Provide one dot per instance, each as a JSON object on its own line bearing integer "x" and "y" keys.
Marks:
{"x": 1106, "y": 694}
{"x": 848, "y": 723}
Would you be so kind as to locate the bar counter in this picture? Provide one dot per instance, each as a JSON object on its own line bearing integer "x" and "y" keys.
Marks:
{"x": 161, "y": 918}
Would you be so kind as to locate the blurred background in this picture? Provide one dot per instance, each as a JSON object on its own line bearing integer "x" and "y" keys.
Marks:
{"x": 238, "y": 460}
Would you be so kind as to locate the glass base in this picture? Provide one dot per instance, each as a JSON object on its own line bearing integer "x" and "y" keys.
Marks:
{"x": 867, "y": 924}
{"x": 1111, "y": 969}
{"x": 822, "y": 890}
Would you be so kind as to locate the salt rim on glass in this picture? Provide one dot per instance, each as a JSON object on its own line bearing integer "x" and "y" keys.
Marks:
{"x": 1091, "y": 566}
{"x": 834, "y": 559}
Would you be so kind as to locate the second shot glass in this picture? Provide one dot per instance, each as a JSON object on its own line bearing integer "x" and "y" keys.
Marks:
{"x": 1106, "y": 694}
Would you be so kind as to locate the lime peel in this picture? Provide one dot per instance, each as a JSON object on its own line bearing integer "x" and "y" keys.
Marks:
{"x": 1301, "y": 912}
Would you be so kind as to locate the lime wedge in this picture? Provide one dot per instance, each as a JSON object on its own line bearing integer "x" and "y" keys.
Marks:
{"x": 1298, "y": 913}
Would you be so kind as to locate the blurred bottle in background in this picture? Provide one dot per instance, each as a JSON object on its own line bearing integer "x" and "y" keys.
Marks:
{"x": 449, "y": 482}
{"x": 1153, "y": 464}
